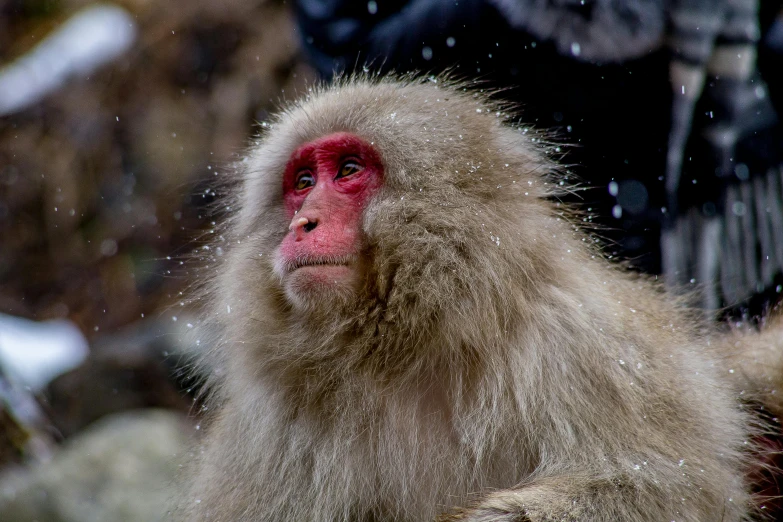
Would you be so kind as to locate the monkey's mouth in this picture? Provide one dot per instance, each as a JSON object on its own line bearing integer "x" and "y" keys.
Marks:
{"x": 319, "y": 261}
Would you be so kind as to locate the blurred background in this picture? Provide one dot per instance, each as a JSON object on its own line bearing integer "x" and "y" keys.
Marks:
{"x": 119, "y": 120}
{"x": 116, "y": 121}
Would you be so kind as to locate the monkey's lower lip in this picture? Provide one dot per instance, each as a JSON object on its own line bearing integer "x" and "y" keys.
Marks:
{"x": 319, "y": 265}
{"x": 319, "y": 262}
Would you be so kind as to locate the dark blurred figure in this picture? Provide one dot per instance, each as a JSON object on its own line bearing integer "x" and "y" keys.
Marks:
{"x": 670, "y": 106}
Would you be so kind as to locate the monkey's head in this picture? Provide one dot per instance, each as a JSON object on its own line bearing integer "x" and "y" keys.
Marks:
{"x": 385, "y": 211}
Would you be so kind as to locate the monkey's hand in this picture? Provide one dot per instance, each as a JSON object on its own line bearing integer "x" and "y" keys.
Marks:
{"x": 559, "y": 498}
{"x": 513, "y": 505}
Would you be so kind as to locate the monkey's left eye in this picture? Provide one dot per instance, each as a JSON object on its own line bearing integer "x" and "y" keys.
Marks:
{"x": 304, "y": 180}
{"x": 348, "y": 168}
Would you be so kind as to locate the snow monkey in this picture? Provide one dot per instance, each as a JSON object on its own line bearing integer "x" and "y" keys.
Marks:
{"x": 407, "y": 328}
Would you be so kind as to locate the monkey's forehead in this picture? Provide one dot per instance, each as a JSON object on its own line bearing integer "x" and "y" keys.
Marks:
{"x": 386, "y": 110}
{"x": 424, "y": 122}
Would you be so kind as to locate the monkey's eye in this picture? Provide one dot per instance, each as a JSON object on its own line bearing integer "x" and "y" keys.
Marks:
{"x": 304, "y": 180}
{"x": 348, "y": 168}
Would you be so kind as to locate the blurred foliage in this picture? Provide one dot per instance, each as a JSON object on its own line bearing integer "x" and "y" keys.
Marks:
{"x": 103, "y": 185}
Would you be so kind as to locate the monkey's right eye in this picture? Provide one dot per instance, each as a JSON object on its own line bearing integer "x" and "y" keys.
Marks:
{"x": 304, "y": 180}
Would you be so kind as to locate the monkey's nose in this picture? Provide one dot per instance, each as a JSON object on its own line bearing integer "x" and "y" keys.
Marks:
{"x": 302, "y": 225}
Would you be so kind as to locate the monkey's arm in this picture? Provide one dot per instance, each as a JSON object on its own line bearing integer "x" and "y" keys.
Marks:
{"x": 556, "y": 498}
{"x": 579, "y": 497}
{"x": 638, "y": 444}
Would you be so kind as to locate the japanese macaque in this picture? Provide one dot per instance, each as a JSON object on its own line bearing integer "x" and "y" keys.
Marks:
{"x": 408, "y": 328}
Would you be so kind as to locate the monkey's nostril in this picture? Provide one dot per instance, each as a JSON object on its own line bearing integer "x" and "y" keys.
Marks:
{"x": 309, "y": 226}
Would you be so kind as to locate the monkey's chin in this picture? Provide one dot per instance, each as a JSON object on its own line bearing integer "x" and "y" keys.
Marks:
{"x": 316, "y": 286}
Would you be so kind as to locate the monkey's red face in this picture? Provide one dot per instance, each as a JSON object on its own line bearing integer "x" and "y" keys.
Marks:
{"x": 326, "y": 187}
